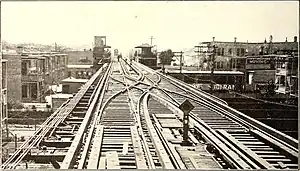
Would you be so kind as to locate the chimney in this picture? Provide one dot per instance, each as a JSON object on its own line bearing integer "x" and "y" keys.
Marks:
{"x": 286, "y": 39}
{"x": 234, "y": 39}
{"x": 295, "y": 38}
{"x": 271, "y": 38}
{"x": 213, "y": 39}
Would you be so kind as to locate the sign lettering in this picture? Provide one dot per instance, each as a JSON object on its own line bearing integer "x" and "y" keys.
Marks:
{"x": 258, "y": 61}
{"x": 223, "y": 87}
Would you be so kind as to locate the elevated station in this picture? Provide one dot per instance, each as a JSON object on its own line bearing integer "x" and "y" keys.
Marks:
{"x": 128, "y": 116}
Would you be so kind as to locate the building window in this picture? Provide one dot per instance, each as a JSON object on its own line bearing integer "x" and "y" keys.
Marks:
{"x": 238, "y": 52}
{"x": 4, "y": 76}
{"x": 222, "y": 64}
{"x": 230, "y": 51}
{"x": 33, "y": 90}
{"x": 24, "y": 68}
{"x": 43, "y": 66}
{"x": 24, "y": 91}
{"x": 242, "y": 52}
{"x": 219, "y": 51}
{"x": 222, "y": 52}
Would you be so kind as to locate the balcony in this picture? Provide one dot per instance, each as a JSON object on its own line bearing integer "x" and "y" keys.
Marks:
{"x": 32, "y": 78}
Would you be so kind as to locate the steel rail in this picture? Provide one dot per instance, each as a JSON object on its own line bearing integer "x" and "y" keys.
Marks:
{"x": 283, "y": 138}
{"x": 209, "y": 134}
{"x": 150, "y": 161}
{"x": 177, "y": 164}
{"x": 245, "y": 123}
{"x": 289, "y": 148}
{"x": 248, "y": 126}
{"x": 26, "y": 143}
{"x": 261, "y": 162}
{"x": 93, "y": 94}
{"x": 164, "y": 157}
{"x": 69, "y": 158}
{"x": 83, "y": 157}
{"x": 95, "y": 122}
{"x": 100, "y": 90}
{"x": 201, "y": 92}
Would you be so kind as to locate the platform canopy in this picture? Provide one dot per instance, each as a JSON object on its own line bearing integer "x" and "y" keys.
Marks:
{"x": 145, "y": 45}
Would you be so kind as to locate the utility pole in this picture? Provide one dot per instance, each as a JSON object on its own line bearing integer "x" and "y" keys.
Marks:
{"x": 198, "y": 56}
{"x": 151, "y": 39}
{"x": 235, "y": 51}
{"x": 180, "y": 61}
{"x": 212, "y": 65}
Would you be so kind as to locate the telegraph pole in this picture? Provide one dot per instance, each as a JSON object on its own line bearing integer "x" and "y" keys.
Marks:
{"x": 151, "y": 39}
{"x": 180, "y": 61}
{"x": 198, "y": 56}
{"x": 212, "y": 65}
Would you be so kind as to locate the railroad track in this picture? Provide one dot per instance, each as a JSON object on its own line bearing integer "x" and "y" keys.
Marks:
{"x": 70, "y": 112}
{"x": 257, "y": 145}
{"x": 127, "y": 117}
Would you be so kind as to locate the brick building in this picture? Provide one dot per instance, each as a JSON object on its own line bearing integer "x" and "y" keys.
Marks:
{"x": 30, "y": 74}
{"x": 229, "y": 55}
{"x": 3, "y": 98}
{"x": 261, "y": 62}
{"x": 286, "y": 76}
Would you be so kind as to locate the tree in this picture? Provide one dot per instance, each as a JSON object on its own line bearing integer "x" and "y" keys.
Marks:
{"x": 166, "y": 57}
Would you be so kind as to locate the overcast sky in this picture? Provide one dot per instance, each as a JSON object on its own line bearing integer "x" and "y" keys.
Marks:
{"x": 175, "y": 25}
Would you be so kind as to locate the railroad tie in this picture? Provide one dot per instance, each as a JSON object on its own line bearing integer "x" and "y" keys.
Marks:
{"x": 112, "y": 160}
{"x": 125, "y": 148}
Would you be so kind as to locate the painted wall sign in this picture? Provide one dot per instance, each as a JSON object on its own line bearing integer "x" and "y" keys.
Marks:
{"x": 223, "y": 87}
{"x": 258, "y": 61}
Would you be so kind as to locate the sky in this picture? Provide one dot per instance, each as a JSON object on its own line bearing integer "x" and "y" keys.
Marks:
{"x": 176, "y": 25}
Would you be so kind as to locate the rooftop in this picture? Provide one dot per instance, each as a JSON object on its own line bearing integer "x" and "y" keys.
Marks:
{"x": 145, "y": 45}
{"x": 80, "y": 66}
{"x": 206, "y": 72}
{"x": 74, "y": 80}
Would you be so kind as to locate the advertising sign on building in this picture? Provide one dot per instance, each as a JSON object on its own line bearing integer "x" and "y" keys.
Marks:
{"x": 260, "y": 63}
{"x": 216, "y": 87}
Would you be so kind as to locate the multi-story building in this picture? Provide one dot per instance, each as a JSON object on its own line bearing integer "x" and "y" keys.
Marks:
{"x": 3, "y": 98}
{"x": 30, "y": 74}
{"x": 229, "y": 55}
{"x": 256, "y": 60}
{"x": 286, "y": 80}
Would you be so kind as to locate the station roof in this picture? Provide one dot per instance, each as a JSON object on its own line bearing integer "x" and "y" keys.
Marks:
{"x": 61, "y": 96}
{"x": 207, "y": 72}
{"x": 80, "y": 66}
{"x": 33, "y": 57}
{"x": 145, "y": 45}
{"x": 74, "y": 80}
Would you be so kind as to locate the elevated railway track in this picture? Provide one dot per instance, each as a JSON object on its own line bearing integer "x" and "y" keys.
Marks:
{"x": 127, "y": 116}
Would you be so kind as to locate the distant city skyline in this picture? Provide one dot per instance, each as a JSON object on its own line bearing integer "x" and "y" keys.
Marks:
{"x": 174, "y": 25}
